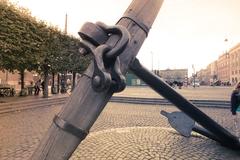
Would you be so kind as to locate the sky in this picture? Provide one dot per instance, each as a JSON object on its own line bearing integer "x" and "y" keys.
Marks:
{"x": 185, "y": 33}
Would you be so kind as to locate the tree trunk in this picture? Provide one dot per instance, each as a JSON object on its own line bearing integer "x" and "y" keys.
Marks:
{"x": 53, "y": 84}
{"x": 73, "y": 81}
{"x": 58, "y": 82}
{"x": 23, "y": 92}
{"x": 63, "y": 82}
{"x": 45, "y": 87}
{"x": 6, "y": 79}
{"x": 85, "y": 104}
{"x": 22, "y": 79}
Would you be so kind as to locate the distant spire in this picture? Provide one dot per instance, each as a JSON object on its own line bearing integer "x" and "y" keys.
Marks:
{"x": 226, "y": 41}
{"x": 65, "y": 29}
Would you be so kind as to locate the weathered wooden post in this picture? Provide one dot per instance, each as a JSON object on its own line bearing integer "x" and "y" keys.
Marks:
{"x": 84, "y": 106}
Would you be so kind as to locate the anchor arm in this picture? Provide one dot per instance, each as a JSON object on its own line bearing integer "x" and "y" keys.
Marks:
{"x": 161, "y": 87}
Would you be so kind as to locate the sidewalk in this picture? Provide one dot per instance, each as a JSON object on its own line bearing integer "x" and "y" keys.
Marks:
{"x": 202, "y": 93}
{"x": 121, "y": 132}
{"x": 30, "y": 97}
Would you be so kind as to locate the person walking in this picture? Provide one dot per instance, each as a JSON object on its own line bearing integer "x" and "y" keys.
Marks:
{"x": 235, "y": 99}
{"x": 37, "y": 87}
{"x": 235, "y": 108}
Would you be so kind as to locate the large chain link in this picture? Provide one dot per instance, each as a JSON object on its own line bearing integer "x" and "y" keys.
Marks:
{"x": 107, "y": 73}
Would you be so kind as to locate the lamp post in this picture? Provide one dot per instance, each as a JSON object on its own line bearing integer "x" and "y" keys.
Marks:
{"x": 152, "y": 60}
{"x": 226, "y": 40}
{"x": 193, "y": 75}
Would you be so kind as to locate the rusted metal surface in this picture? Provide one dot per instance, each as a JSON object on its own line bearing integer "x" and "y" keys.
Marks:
{"x": 85, "y": 104}
{"x": 107, "y": 71}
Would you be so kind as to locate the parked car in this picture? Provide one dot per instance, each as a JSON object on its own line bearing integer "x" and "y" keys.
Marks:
{"x": 216, "y": 83}
{"x": 197, "y": 84}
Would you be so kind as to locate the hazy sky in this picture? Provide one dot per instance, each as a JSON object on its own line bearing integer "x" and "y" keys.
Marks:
{"x": 185, "y": 33}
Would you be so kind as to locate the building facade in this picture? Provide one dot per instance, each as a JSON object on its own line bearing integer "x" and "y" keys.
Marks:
{"x": 14, "y": 78}
{"x": 133, "y": 80}
{"x": 225, "y": 70}
{"x": 212, "y": 70}
{"x": 234, "y": 64}
{"x": 203, "y": 76}
{"x": 171, "y": 75}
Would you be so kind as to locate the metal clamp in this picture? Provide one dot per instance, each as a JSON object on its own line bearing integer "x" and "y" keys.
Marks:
{"x": 140, "y": 24}
{"x": 68, "y": 127}
{"x": 107, "y": 73}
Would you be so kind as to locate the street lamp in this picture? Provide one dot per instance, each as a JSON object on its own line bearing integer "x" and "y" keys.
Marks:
{"x": 226, "y": 40}
{"x": 152, "y": 60}
{"x": 193, "y": 76}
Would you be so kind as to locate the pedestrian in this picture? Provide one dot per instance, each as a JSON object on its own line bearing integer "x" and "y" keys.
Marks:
{"x": 63, "y": 86}
{"x": 37, "y": 87}
{"x": 30, "y": 88}
{"x": 235, "y": 99}
{"x": 235, "y": 108}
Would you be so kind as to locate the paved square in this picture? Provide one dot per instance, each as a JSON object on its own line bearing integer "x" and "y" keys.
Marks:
{"x": 122, "y": 132}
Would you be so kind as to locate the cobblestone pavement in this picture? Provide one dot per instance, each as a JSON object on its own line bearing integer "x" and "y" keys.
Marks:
{"x": 122, "y": 131}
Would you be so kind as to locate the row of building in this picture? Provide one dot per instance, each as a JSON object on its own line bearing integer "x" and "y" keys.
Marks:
{"x": 168, "y": 75}
{"x": 223, "y": 71}
{"x": 13, "y": 79}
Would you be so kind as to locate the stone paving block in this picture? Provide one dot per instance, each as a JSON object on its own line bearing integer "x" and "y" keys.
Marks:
{"x": 143, "y": 144}
{"x": 122, "y": 131}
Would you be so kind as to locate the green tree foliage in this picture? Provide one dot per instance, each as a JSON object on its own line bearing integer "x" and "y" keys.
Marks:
{"x": 76, "y": 62}
{"x": 69, "y": 58}
{"x": 29, "y": 44}
{"x": 19, "y": 43}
